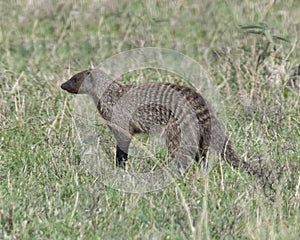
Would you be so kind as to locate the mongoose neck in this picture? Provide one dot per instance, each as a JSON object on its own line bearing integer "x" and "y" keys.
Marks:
{"x": 107, "y": 98}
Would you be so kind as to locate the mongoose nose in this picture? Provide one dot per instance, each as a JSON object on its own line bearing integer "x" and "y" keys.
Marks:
{"x": 68, "y": 86}
{"x": 64, "y": 86}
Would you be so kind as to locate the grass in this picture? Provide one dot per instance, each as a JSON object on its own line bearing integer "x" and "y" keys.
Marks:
{"x": 46, "y": 194}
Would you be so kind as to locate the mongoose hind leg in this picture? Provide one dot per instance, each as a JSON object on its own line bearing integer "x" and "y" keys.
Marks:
{"x": 172, "y": 135}
{"x": 201, "y": 155}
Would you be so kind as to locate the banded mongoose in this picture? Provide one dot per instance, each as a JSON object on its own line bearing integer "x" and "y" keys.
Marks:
{"x": 160, "y": 105}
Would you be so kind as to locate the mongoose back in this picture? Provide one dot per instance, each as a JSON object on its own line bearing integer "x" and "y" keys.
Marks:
{"x": 156, "y": 104}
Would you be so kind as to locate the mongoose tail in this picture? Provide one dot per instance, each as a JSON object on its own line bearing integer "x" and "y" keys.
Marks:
{"x": 221, "y": 143}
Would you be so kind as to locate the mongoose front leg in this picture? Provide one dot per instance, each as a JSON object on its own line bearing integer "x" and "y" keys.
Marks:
{"x": 123, "y": 141}
{"x": 121, "y": 157}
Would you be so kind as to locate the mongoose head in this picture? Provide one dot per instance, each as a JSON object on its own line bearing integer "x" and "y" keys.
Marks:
{"x": 80, "y": 83}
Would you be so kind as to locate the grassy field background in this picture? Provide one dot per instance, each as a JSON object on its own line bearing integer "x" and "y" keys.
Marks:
{"x": 46, "y": 194}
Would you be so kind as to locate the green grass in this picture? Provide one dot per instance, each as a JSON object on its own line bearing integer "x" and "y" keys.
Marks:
{"x": 44, "y": 191}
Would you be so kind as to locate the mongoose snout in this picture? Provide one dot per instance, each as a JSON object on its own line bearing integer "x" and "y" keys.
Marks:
{"x": 77, "y": 83}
